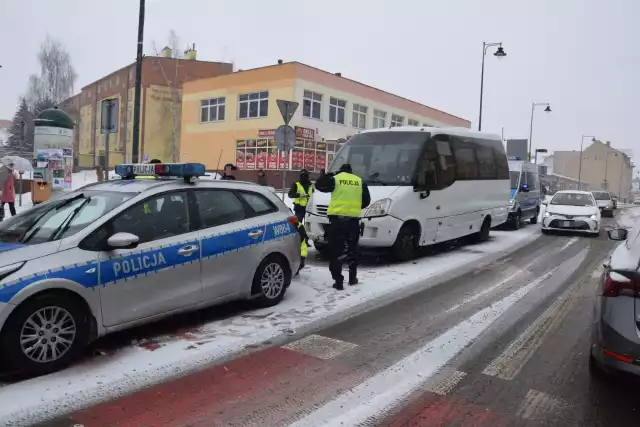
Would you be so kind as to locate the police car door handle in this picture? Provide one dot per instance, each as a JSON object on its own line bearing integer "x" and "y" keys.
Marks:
{"x": 188, "y": 250}
{"x": 255, "y": 234}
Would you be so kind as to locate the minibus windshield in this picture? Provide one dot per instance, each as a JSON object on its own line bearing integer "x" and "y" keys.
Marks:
{"x": 382, "y": 158}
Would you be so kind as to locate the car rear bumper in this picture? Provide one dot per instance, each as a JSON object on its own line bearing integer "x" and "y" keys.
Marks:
{"x": 610, "y": 348}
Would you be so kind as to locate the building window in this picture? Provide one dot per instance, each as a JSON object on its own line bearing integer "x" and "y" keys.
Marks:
{"x": 359, "y": 119}
{"x": 253, "y": 105}
{"x": 396, "y": 121}
{"x": 337, "y": 109}
{"x": 212, "y": 110}
{"x": 312, "y": 105}
{"x": 379, "y": 119}
{"x": 412, "y": 122}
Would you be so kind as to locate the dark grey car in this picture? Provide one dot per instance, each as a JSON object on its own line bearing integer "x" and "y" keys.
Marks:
{"x": 615, "y": 338}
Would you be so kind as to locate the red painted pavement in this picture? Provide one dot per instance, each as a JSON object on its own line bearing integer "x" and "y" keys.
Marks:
{"x": 433, "y": 410}
{"x": 265, "y": 388}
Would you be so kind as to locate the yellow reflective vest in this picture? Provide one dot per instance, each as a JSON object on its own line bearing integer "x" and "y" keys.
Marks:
{"x": 302, "y": 201}
{"x": 346, "y": 198}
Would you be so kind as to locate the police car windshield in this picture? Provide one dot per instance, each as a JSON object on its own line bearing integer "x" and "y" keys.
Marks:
{"x": 382, "y": 158}
{"x": 42, "y": 223}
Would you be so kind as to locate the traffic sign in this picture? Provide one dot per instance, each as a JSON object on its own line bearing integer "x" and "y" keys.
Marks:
{"x": 287, "y": 109}
{"x": 285, "y": 138}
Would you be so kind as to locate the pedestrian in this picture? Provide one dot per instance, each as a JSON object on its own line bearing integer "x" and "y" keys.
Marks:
{"x": 304, "y": 245}
{"x": 262, "y": 178}
{"x": 300, "y": 192}
{"x": 155, "y": 161}
{"x": 7, "y": 183}
{"x": 228, "y": 172}
{"x": 349, "y": 195}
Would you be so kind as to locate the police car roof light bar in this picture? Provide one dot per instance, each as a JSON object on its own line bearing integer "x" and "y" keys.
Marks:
{"x": 188, "y": 171}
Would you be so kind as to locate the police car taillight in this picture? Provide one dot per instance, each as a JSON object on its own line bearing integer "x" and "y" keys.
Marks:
{"x": 166, "y": 170}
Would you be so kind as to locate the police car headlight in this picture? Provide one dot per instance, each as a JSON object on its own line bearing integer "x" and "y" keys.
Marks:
{"x": 593, "y": 217}
{"x": 378, "y": 208}
{"x": 11, "y": 268}
{"x": 512, "y": 202}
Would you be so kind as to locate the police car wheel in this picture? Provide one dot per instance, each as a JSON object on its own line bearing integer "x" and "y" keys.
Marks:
{"x": 271, "y": 280}
{"x": 45, "y": 334}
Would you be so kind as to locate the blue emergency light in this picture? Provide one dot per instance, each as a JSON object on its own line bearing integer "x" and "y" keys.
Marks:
{"x": 161, "y": 170}
{"x": 513, "y": 158}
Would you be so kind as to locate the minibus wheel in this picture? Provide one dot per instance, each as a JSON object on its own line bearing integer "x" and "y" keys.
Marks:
{"x": 405, "y": 247}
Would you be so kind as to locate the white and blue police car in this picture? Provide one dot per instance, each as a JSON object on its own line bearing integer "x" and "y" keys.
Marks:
{"x": 120, "y": 253}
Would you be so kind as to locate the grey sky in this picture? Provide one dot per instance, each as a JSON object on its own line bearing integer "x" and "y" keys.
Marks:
{"x": 580, "y": 55}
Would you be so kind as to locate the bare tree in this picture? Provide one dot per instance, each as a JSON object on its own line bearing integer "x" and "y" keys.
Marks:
{"x": 57, "y": 75}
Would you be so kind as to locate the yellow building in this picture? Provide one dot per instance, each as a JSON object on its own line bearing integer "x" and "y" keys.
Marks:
{"x": 232, "y": 118}
{"x": 160, "y": 115}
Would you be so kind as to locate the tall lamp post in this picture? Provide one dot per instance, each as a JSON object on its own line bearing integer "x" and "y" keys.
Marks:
{"x": 499, "y": 53}
{"x": 582, "y": 137}
{"x": 533, "y": 108}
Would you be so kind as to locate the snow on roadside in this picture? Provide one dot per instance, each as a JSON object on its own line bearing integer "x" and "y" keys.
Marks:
{"x": 309, "y": 303}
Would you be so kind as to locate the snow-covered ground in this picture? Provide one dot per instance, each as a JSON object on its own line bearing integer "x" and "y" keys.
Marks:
{"x": 310, "y": 303}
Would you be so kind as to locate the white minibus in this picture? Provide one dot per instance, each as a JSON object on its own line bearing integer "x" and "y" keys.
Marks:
{"x": 428, "y": 185}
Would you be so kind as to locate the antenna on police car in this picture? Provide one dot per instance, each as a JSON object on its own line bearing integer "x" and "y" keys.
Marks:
{"x": 218, "y": 165}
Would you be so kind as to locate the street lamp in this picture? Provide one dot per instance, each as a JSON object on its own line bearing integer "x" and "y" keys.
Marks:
{"x": 538, "y": 150}
{"x": 582, "y": 137}
{"x": 499, "y": 53}
{"x": 533, "y": 107}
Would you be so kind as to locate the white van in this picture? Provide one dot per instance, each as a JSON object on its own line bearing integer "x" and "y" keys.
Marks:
{"x": 427, "y": 185}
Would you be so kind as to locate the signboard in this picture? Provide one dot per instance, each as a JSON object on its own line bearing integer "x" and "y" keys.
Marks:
{"x": 305, "y": 133}
{"x": 285, "y": 138}
{"x": 518, "y": 148}
{"x": 267, "y": 133}
{"x": 287, "y": 109}
{"x": 52, "y": 137}
{"x": 109, "y": 117}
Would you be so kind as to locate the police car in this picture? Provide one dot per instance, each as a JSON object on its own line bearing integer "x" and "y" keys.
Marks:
{"x": 116, "y": 254}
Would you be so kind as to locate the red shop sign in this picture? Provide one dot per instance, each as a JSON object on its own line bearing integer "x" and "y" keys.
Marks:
{"x": 305, "y": 133}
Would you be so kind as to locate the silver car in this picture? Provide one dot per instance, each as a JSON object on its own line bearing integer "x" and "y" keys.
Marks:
{"x": 113, "y": 255}
{"x": 605, "y": 203}
{"x": 615, "y": 338}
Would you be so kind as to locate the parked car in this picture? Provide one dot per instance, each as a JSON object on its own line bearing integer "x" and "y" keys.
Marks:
{"x": 120, "y": 253}
{"x": 615, "y": 336}
{"x": 572, "y": 210}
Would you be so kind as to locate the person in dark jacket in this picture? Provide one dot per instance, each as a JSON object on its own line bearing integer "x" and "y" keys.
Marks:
{"x": 300, "y": 192}
{"x": 262, "y": 178}
{"x": 349, "y": 195}
{"x": 228, "y": 172}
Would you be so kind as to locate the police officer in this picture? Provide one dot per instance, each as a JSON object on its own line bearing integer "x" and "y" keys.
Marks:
{"x": 349, "y": 195}
{"x": 300, "y": 192}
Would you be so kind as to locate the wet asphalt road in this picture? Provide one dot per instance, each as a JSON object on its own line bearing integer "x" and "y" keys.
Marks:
{"x": 527, "y": 368}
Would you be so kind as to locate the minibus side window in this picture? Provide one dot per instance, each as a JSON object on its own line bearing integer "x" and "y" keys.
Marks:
{"x": 436, "y": 169}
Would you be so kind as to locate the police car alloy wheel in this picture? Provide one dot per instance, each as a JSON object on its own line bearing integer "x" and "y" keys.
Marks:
{"x": 271, "y": 281}
{"x": 44, "y": 334}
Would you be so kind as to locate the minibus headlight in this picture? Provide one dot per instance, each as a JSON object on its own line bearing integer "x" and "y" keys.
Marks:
{"x": 378, "y": 208}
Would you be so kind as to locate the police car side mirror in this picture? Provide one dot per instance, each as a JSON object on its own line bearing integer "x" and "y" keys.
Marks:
{"x": 123, "y": 241}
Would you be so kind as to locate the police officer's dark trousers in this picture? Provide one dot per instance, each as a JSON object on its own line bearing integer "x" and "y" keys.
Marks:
{"x": 300, "y": 211}
{"x": 343, "y": 231}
